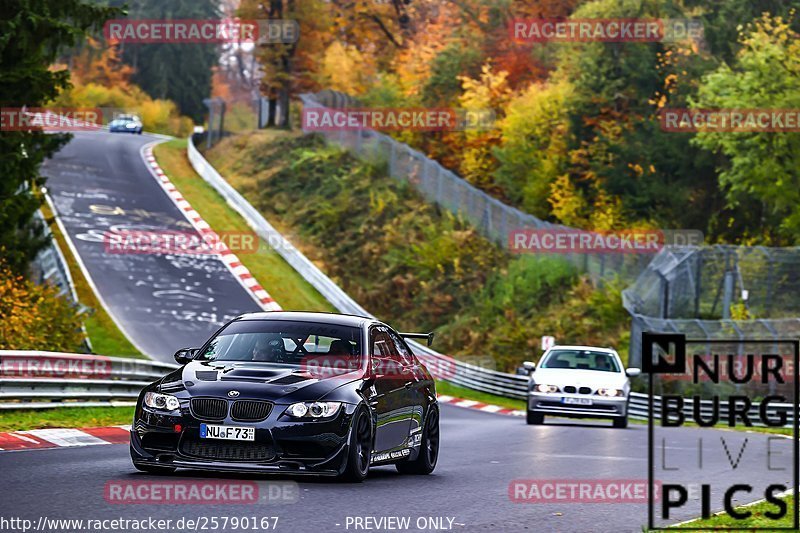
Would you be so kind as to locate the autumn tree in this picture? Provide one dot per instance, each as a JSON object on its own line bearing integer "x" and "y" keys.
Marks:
{"x": 32, "y": 316}
{"x": 759, "y": 167}
{"x": 32, "y": 33}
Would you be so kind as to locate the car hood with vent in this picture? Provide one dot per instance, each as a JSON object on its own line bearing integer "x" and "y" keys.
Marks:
{"x": 261, "y": 381}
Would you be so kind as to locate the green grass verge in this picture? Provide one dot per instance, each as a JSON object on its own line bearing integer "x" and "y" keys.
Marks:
{"x": 277, "y": 277}
{"x": 105, "y": 336}
{"x": 757, "y": 520}
{"x": 64, "y": 417}
{"x": 443, "y": 387}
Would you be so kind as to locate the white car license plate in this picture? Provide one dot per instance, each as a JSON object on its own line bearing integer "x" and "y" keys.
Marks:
{"x": 576, "y": 401}
{"x": 210, "y": 431}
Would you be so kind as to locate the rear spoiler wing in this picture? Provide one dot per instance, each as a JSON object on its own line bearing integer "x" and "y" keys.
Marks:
{"x": 427, "y": 336}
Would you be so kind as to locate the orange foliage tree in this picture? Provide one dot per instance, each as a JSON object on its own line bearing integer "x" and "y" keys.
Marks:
{"x": 34, "y": 316}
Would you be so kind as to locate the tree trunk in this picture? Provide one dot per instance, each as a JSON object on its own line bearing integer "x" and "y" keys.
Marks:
{"x": 272, "y": 110}
{"x": 284, "y": 99}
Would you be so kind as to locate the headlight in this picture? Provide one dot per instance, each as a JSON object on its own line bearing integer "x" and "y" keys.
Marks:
{"x": 313, "y": 409}
{"x": 166, "y": 402}
{"x": 545, "y": 388}
{"x": 610, "y": 392}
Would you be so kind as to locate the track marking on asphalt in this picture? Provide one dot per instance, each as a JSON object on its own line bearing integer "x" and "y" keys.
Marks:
{"x": 88, "y": 277}
{"x": 42, "y": 439}
{"x": 14, "y": 441}
{"x": 478, "y": 406}
{"x": 231, "y": 261}
{"x": 66, "y": 437}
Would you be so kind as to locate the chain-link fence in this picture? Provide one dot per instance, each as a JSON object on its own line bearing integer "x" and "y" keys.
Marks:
{"x": 717, "y": 292}
{"x": 50, "y": 267}
{"x": 491, "y": 217}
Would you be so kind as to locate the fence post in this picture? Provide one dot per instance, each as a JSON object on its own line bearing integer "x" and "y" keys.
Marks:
{"x": 439, "y": 180}
{"x": 486, "y": 222}
{"x": 392, "y": 158}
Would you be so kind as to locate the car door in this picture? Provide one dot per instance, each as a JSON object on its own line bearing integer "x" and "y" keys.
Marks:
{"x": 415, "y": 381}
{"x": 393, "y": 395}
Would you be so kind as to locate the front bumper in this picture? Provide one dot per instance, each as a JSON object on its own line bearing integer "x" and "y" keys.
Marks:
{"x": 282, "y": 445}
{"x": 601, "y": 406}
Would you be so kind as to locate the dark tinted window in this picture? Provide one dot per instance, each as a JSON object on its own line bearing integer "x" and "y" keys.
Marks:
{"x": 581, "y": 360}
{"x": 282, "y": 342}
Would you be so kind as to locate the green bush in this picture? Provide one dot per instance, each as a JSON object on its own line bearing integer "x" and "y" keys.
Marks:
{"x": 34, "y": 317}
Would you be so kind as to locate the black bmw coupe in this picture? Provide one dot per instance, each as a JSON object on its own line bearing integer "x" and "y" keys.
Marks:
{"x": 295, "y": 393}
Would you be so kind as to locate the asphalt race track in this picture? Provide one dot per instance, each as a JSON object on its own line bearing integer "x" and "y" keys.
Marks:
{"x": 99, "y": 183}
{"x": 481, "y": 454}
{"x": 163, "y": 302}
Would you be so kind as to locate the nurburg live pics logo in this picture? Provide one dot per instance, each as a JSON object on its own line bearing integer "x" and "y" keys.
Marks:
{"x": 772, "y": 401}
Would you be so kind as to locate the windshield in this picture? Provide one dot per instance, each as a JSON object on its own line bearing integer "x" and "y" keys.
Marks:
{"x": 581, "y": 360}
{"x": 284, "y": 342}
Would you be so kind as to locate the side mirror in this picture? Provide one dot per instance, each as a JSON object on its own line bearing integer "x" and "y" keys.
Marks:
{"x": 184, "y": 355}
{"x": 529, "y": 366}
{"x": 632, "y": 372}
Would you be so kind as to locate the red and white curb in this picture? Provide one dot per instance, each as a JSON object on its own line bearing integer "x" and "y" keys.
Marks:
{"x": 478, "y": 406}
{"x": 239, "y": 271}
{"x": 37, "y": 439}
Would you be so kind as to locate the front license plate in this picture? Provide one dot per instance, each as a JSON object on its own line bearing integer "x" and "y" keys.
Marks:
{"x": 576, "y": 401}
{"x": 210, "y": 431}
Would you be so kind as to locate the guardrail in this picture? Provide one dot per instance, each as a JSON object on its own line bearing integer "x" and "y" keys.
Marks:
{"x": 51, "y": 267}
{"x": 36, "y": 380}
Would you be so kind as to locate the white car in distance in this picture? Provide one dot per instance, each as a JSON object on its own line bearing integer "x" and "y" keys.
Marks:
{"x": 579, "y": 382}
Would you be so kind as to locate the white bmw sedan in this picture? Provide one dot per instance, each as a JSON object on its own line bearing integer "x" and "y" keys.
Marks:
{"x": 581, "y": 382}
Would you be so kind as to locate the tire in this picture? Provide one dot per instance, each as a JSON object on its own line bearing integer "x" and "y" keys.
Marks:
{"x": 621, "y": 422}
{"x": 428, "y": 454}
{"x": 152, "y": 469}
{"x": 359, "y": 449}
{"x": 534, "y": 419}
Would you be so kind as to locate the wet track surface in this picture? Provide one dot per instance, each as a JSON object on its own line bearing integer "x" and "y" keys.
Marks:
{"x": 481, "y": 455}
{"x": 100, "y": 184}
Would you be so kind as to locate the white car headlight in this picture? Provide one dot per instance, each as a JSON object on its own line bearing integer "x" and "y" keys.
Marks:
{"x": 545, "y": 388}
{"x": 313, "y": 409}
{"x": 610, "y": 392}
{"x": 166, "y": 402}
